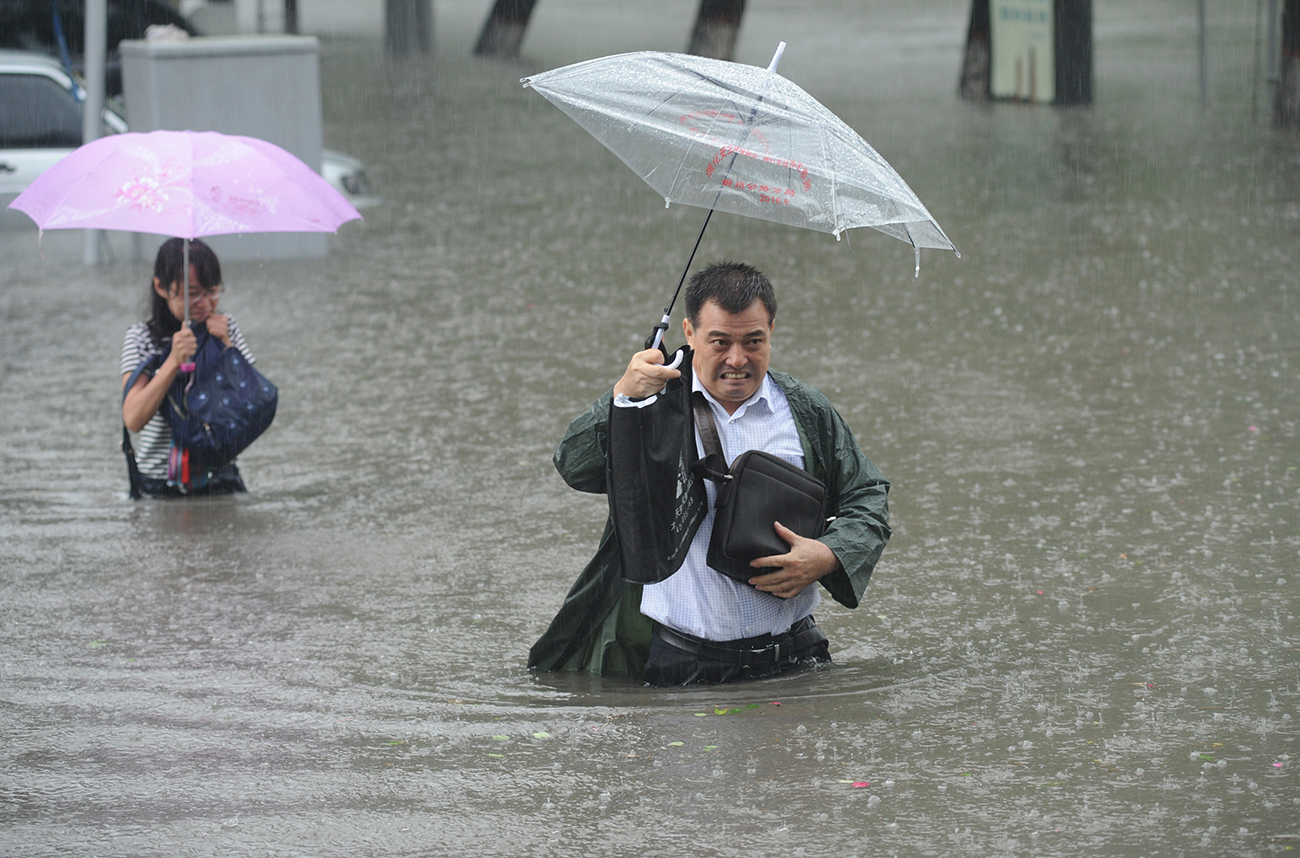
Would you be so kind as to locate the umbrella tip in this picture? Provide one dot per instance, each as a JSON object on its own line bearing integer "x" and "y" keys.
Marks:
{"x": 776, "y": 57}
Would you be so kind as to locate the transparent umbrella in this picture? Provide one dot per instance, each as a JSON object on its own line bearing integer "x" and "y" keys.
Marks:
{"x": 740, "y": 139}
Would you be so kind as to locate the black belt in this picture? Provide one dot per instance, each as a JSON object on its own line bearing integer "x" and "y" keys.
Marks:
{"x": 755, "y": 652}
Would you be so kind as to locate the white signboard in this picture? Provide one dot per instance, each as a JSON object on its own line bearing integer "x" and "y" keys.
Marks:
{"x": 1024, "y": 59}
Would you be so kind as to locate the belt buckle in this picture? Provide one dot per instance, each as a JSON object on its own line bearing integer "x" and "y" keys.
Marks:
{"x": 774, "y": 647}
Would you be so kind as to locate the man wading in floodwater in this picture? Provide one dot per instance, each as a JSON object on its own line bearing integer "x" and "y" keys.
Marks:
{"x": 699, "y": 625}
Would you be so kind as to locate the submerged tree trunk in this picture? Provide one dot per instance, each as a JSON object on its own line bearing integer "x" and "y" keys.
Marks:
{"x": 503, "y": 31}
{"x": 977, "y": 65}
{"x": 1073, "y": 52}
{"x": 1286, "y": 106}
{"x": 716, "y": 27}
{"x": 408, "y": 26}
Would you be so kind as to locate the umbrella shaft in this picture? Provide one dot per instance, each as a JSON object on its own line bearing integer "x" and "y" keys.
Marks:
{"x": 185, "y": 280}
{"x": 656, "y": 339}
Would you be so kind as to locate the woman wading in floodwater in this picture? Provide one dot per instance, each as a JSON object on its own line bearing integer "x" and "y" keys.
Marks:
{"x": 141, "y": 405}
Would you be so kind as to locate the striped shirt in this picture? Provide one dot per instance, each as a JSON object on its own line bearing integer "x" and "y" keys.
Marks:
{"x": 705, "y": 603}
{"x": 155, "y": 439}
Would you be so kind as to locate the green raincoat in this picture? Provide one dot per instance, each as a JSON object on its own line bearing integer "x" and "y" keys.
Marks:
{"x": 600, "y": 628}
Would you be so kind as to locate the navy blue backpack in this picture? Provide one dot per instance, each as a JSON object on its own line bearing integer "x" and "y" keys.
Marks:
{"x": 215, "y": 412}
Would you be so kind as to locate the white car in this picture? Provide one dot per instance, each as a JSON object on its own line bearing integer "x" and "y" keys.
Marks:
{"x": 40, "y": 117}
{"x": 40, "y": 123}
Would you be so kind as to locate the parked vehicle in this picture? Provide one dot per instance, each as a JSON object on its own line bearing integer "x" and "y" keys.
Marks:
{"x": 40, "y": 123}
{"x": 31, "y": 25}
{"x": 40, "y": 117}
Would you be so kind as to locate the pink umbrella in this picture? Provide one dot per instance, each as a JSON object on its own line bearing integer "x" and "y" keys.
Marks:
{"x": 183, "y": 183}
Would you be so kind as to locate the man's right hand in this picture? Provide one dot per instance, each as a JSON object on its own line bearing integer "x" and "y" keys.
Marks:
{"x": 645, "y": 375}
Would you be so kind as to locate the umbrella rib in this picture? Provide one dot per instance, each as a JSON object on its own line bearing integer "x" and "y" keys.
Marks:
{"x": 832, "y": 174}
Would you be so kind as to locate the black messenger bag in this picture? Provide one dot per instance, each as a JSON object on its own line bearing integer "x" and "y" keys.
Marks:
{"x": 758, "y": 490}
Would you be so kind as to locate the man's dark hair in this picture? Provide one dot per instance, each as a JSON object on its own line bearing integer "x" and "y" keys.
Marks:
{"x": 733, "y": 285}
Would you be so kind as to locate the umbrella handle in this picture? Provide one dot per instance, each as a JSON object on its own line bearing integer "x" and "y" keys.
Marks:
{"x": 188, "y": 366}
{"x": 656, "y": 339}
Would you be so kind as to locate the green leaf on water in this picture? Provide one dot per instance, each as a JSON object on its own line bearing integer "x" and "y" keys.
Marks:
{"x": 675, "y": 744}
{"x": 541, "y": 734}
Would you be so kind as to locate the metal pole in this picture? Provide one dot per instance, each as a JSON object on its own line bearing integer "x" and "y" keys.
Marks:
{"x": 92, "y": 117}
{"x": 1201, "y": 47}
{"x": 1273, "y": 45}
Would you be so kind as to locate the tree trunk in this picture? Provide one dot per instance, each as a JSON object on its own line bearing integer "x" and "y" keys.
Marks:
{"x": 1073, "y": 52}
{"x": 408, "y": 26}
{"x": 977, "y": 65}
{"x": 503, "y": 32}
{"x": 1286, "y": 106}
{"x": 716, "y": 27}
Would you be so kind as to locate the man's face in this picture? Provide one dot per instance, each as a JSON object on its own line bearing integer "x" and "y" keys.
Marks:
{"x": 731, "y": 351}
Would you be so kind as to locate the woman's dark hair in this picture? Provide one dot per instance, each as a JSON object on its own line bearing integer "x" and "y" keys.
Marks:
{"x": 733, "y": 285}
{"x": 167, "y": 268}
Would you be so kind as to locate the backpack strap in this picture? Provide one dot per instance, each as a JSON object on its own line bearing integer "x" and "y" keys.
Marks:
{"x": 149, "y": 365}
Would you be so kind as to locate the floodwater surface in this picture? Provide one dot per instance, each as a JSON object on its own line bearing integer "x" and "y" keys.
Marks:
{"x": 1081, "y": 640}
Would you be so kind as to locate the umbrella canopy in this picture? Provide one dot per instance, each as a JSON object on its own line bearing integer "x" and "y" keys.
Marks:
{"x": 183, "y": 183}
{"x": 740, "y": 139}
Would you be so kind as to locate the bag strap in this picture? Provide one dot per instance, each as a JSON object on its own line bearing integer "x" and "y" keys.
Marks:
{"x": 149, "y": 364}
{"x": 132, "y": 469}
{"x": 714, "y": 464}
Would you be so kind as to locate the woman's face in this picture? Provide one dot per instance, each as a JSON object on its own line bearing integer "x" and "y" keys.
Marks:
{"x": 203, "y": 302}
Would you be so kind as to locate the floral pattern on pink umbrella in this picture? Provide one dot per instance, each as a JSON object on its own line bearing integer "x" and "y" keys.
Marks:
{"x": 142, "y": 193}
